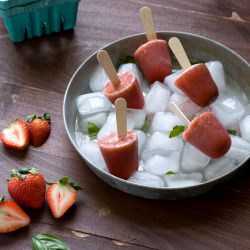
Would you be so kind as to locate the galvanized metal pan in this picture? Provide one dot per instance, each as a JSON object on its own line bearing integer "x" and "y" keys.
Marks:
{"x": 199, "y": 48}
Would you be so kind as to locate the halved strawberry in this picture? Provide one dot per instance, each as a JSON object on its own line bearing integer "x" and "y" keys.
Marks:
{"x": 12, "y": 217}
{"x": 39, "y": 129}
{"x": 27, "y": 187}
{"x": 61, "y": 196}
{"x": 15, "y": 136}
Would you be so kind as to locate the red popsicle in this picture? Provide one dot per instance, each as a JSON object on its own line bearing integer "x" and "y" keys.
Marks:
{"x": 205, "y": 133}
{"x": 120, "y": 149}
{"x": 120, "y": 154}
{"x": 128, "y": 89}
{"x": 122, "y": 85}
{"x": 153, "y": 57}
{"x": 196, "y": 81}
{"x": 154, "y": 60}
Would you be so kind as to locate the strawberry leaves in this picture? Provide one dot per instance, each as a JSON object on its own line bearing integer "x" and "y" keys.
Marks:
{"x": 65, "y": 181}
{"x": 21, "y": 174}
{"x": 45, "y": 117}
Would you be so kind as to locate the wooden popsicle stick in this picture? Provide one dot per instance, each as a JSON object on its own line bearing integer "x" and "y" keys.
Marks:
{"x": 179, "y": 52}
{"x": 175, "y": 109}
{"x": 105, "y": 61}
{"x": 148, "y": 23}
{"x": 121, "y": 117}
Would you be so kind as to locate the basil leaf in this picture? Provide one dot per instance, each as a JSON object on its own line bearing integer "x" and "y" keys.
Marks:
{"x": 92, "y": 130}
{"x": 48, "y": 241}
{"x": 170, "y": 172}
{"x": 125, "y": 59}
{"x": 146, "y": 125}
{"x": 178, "y": 129}
{"x": 232, "y": 132}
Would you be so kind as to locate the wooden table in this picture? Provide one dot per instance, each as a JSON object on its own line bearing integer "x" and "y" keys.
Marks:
{"x": 33, "y": 77}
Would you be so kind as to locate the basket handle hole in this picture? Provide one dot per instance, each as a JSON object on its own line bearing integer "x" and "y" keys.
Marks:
{"x": 43, "y": 28}
{"x": 61, "y": 23}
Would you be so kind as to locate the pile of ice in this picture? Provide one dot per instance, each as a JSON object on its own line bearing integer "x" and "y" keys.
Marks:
{"x": 164, "y": 161}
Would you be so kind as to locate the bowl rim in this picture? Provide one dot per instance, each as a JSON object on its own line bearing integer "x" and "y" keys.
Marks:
{"x": 126, "y": 182}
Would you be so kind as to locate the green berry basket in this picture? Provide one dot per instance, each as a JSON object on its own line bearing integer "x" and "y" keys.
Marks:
{"x": 30, "y": 18}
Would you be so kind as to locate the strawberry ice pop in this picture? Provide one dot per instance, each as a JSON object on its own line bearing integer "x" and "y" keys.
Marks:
{"x": 196, "y": 81}
{"x": 122, "y": 85}
{"x": 154, "y": 60}
{"x": 153, "y": 57}
{"x": 205, "y": 133}
{"x": 128, "y": 89}
{"x": 120, "y": 149}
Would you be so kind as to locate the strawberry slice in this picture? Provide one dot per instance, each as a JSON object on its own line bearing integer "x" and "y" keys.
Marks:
{"x": 15, "y": 136}
{"x": 12, "y": 217}
{"x": 61, "y": 196}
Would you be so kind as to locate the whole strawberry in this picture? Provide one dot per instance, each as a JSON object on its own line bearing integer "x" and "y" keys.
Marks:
{"x": 61, "y": 196}
{"x": 16, "y": 135}
{"x": 12, "y": 217}
{"x": 39, "y": 129}
{"x": 27, "y": 187}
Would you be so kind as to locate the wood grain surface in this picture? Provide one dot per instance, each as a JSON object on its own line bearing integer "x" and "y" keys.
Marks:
{"x": 33, "y": 78}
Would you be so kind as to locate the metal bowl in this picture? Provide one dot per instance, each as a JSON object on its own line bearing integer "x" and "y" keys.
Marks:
{"x": 198, "y": 48}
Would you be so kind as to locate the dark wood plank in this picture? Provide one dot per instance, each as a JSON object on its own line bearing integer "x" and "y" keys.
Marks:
{"x": 49, "y": 62}
{"x": 21, "y": 239}
{"x": 211, "y": 221}
{"x": 220, "y": 8}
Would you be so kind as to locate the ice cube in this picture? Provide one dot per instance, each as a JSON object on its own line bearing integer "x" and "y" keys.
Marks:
{"x": 92, "y": 152}
{"x": 217, "y": 72}
{"x": 142, "y": 139}
{"x": 218, "y": 168}
{"x": 110, "y": 125}
{"x": 245, "y": 128}
{"x": 160, "y": 143}
{"x": 164, "y": 122}
{"x": 160, "y": 165}
{"x": 138, "y": 116}
{"x": 98, "y": 119}
{"x": 132, "y": 67}
{"x": 188, "y": 107}
{"x": 240, "y": 149}
{"x": 193, "y": 159}
{"x": 98, "y": 79}
{"x": 141, "y": 166}
{"x": 80, "y": 137}
{"x": 146, "y": 179}
{"x": 170, "y": 81}
{"x": 228, "y": 110}
{"x": 92, "y": 103}
{"x": 157, "y": 98}
{"x": 183, "y": 180}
